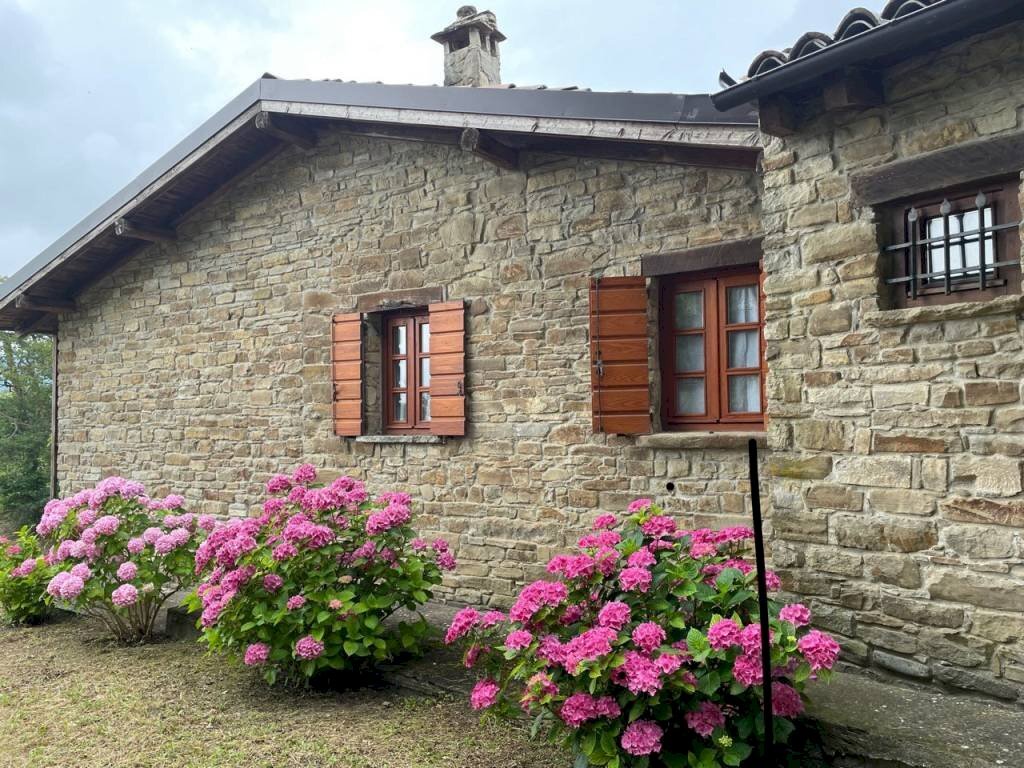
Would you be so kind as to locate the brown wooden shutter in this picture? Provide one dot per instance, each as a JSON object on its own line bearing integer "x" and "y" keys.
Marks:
{"x": 347, "y": 369}
{"x": 447, "y": 368}
{"x": 618, "y": 355}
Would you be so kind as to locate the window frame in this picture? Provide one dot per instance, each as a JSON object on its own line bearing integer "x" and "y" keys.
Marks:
{"x": 713, "y": 285}
{"x": 413, "y": 321}
{"x": 1002, "y": 197}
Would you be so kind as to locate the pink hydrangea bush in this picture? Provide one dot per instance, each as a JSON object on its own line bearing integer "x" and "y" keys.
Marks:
{"x": 118, "y": 555}
{"x": 23, "y": 578}
{"x": 305, "y": 588}
{"x": 644, "y": 648}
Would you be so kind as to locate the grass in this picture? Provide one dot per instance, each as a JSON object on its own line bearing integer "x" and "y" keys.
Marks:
{"x": 68, "y": 697}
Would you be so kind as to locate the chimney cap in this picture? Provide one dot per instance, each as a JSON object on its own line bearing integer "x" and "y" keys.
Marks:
{"x": 468, "y": 16}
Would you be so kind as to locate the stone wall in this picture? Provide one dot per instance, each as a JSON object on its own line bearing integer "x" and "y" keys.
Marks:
{"x": 897, "y": 435}
{"x": 202, "y": 366}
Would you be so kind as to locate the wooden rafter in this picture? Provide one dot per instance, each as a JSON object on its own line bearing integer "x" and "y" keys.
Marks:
{"x": 292, "y": 134}
{"x": 51, "y": 306}
{"x": 482, "y": 144}
{"x": 125, "y": 228}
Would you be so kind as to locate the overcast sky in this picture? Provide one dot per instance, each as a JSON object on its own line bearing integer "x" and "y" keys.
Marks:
{"x": 95, "y": 90}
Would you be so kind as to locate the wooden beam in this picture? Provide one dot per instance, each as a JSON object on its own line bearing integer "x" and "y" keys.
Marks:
{"x": 483, "y": 144}
{"x": 52, "y": 306}
{"x": 972, "y": 161}
{"x": 718, "y": 256}
{"x": 426, "y": 134}
{"x": 125, "y": 228}
{"x": 646, "y": 152}
{"x": 777, "y": 116}
{"x": 854, "y": 89}
{"x": 30, "y": 326}
{"x": 291, "y": 133}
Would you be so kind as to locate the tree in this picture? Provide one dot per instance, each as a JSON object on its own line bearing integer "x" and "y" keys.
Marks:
{"x": 26, "y": 387}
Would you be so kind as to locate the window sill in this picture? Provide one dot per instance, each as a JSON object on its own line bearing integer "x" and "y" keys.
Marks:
{"x": 400, "y": 439}
{"x": 959, "y": 311}
{"x": 700, "y": 440}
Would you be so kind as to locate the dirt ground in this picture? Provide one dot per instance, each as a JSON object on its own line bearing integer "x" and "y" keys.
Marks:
{"x": 71, "y": 699}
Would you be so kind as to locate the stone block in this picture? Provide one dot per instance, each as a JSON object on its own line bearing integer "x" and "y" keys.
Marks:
{"x": 981, "y": 542}
{"x": 840, "y": 242}
{"x": 923, "y": 611}
{"x": 902, "y": 502}
{"x": 973, "y": 681}
{"x": 807, "y": 468}
{"x": 893, "y": 396}
{"x": 878, "y": 471}
{"x": 821, "y": 435}
{"x": 829, "y": 319}
{"x": 826, "y": 496}
{"x": 990, "y": 475}
{"x": 982, "y": 590}
{"x": 888, "y": 442}
{"x": 884, "y": 534}
{"x": 998, "y": 627}
{"x": 991, "y": 392}
{"x": 901, "y": 665}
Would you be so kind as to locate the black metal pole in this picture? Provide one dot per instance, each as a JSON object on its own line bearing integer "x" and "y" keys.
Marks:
{"x": 762, "y": 602}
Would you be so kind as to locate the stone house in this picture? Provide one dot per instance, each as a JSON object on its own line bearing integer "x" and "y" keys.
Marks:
{"x": 527, "y": 306}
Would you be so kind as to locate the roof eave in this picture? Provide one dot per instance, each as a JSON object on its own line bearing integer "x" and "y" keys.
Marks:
{"x": 900, "y": 38}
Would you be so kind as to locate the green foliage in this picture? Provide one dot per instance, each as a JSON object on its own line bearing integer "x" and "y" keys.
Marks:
{"x": 307, "y": 587}
{"x": 25, "y": 391}
{"x": 23, "y": 578}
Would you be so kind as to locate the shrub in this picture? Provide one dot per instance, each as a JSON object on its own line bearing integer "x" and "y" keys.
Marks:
{"x": 307, "y": 586}
{"x": 119, "y": 555}
{"x": 646, "y": 649}
{"x": 23, "y": 578}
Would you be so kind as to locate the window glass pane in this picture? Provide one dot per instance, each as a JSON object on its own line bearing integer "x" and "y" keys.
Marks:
{"x": 398, "y": 345}
{"x": 689, "y": 310}
{"x": 424, "y": 406}
{"x": 398, "y": 374}
{"x": 690, "y": 397}
{"x": 424, "y": 338}
{"x": 743, "y": 349}
{"x": 400, "y": 404}
{"x": 741, "y": 303}
{"x": 963, "y": 250}
{"x": 745, "y": 394}
{"x": 689, "y": 353}
{"x": 424, "y": 372}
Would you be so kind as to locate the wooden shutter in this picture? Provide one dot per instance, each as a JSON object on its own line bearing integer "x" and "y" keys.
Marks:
{"x": 346, "y": 371}
{"x": 447, "y": 368}
{"x": 619, "y": 374}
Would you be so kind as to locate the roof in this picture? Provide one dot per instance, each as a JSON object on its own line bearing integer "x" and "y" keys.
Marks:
{"x": 232, "y": 141}
{"x": 903, "y": 29}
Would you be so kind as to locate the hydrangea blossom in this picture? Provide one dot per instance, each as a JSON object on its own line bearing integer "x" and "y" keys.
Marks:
{"x": 308, "y": 647}
{"x": 124, "y": 595}
{"x": 484, "y": 694}
{"x": 581, "y": 707}
{"x": 256, "y": 654}
{"x": 706, "y": 718}
{"x": 819, "y": 649}
{"x": 642, "y": 737}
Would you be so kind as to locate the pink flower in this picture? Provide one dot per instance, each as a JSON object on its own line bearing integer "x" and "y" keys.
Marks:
{"x": 206, "y": 522}
{"x": 581, "y": 707}
{"x": 535, "y": 596}
{"x": 796, "y": 614}
{"x": 786, "y": 702}
{"x": 750, "y": 639}
{"x": 462, "y": 623}
{"x": 418, "y": 545}
{"x": 668, "y": 663}
{"x": 127, "y": 571}
{"x": 723, "y": 634}
{"x": 26, "y": 567}
{"x": 82, "y": 571}
{"x": 150, "y": 535}
{"x": 642, "y": 737}
{"x": 659, "y": 526}
{"x": 446, "y": 561}
{"x": 518, "y": 639}
{"x": 295, "y": 602}
{"x": 635, "y": 579}
{"x": 747, "y": 670}
{"x": 484, "y": 694}
{"x": 279, "y": 484}
{"x": 614, "y": 615}
{"x": 642, "y": 558}
{"x": 284, "y": 551}
{"x": 106, "y": 525}
{"x": 538, "y": 687}
{"x": 14, "y": 550}
{"x": 605, "y": 521}
{"x": 639, "y": 674}
{"x": 648, "y": 636}
{"x": 308, "y": 647}
{"x": 701, "y": 549}
{"x": 491, "y": 619}
{"x": 124, "y": 595}
{"x": 639, "y": 505}
{"x": 135, "y": 546}
{"x": 392, "y": 516}
{"x": 304, "y": 474}
{"x": 820, "y": 650}
{"x": 272, "y": 582}
{"x": 587, "y": 646}
{"x": 257, "y": 654}
{"x": 772, "y": 581}
{"x": 707, "y": 717}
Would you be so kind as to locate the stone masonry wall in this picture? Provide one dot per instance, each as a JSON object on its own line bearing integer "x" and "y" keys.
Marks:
{"x": 202, "y": 365}
{"x": 897, "y": 435}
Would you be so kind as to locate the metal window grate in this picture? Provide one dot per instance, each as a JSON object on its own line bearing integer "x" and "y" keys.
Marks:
{"x": 951, "y": 251}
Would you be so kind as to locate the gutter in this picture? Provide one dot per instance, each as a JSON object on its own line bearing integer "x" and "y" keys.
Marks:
{"x": 903, "y": 37}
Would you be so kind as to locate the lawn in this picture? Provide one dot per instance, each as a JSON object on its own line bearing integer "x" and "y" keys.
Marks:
{"x": 68, "y": 697}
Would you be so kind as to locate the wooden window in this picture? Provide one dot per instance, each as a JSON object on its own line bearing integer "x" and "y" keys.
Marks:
{"x": 957, "y": 245}
{"x": 712, "y": 350}
{"x": 407, "y": 405}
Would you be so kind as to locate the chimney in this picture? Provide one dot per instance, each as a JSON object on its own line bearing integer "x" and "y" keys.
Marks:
{"x": 471, "y": 49}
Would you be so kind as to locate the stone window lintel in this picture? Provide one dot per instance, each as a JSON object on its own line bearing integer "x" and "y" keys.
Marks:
{"x": 704, "y": 440}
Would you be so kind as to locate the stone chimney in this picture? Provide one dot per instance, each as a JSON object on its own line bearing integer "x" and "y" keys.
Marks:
{"x": 471, "y": 48}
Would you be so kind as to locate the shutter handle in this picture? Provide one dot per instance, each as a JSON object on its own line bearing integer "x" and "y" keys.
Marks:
{"x": 459, "y": 388}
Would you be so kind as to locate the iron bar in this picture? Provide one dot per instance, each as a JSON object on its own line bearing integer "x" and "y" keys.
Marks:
{"x": 762, "y": 606}
{"x": 912, "y": 221}
{"x": 980, "y": 202}
{"x": 965, "y": 236}
{"x": 944, "y": 209}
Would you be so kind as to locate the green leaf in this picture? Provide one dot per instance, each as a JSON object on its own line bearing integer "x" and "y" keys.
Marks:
{"x": 352, "y": 647}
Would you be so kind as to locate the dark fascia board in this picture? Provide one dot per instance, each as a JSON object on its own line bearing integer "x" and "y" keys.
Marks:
{"x": 901, "y": 38}
{"x": 639, "y": 107}
{"x": 733, "y": 253}
{"x": 513, "y": 102}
